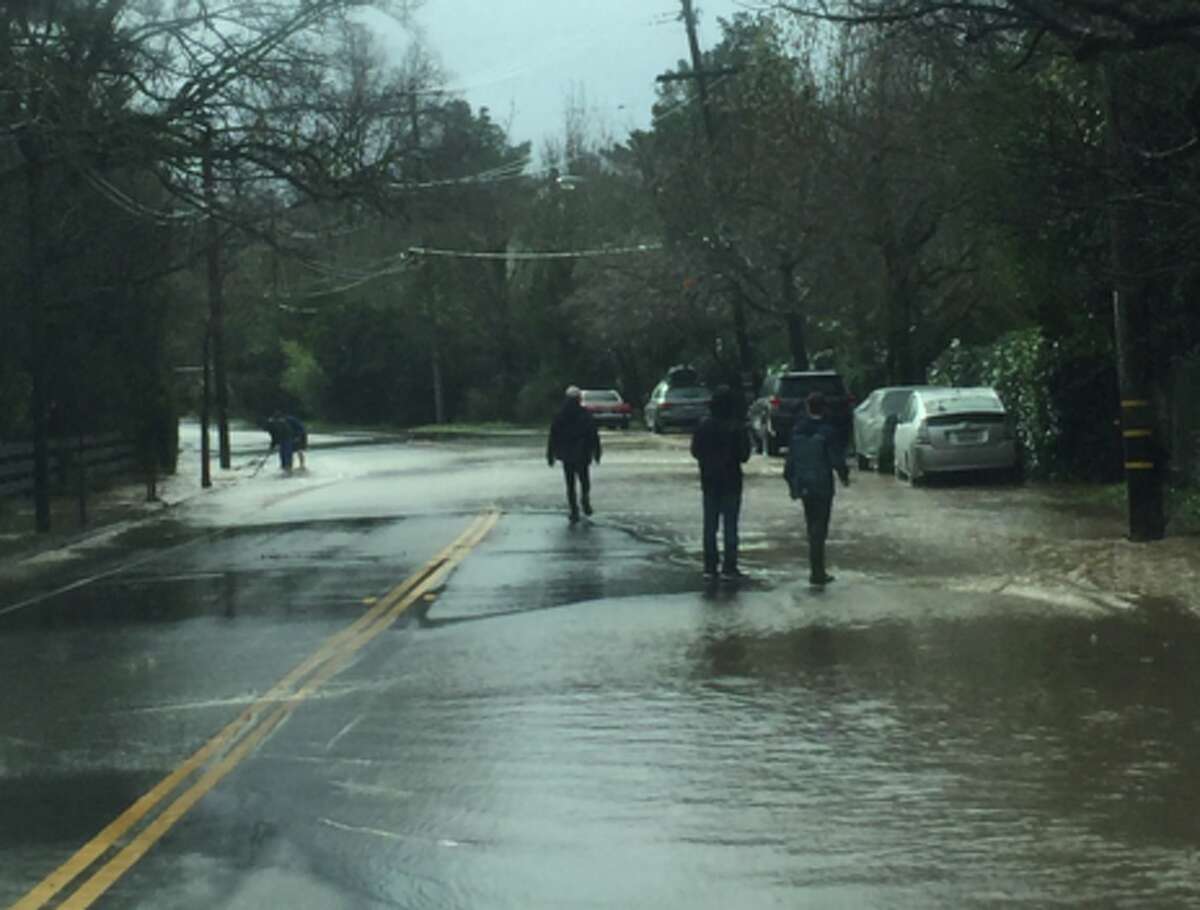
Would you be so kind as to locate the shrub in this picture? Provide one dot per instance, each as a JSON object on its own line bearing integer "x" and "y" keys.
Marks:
{"x": 1063, "y": 401}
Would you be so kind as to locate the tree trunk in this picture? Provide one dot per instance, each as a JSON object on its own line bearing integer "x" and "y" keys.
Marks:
{"x": 216, "y": 310}
{"x": 797, "y": 322}
{"x": 901, "y": 359}
{"x": 38, "y": 352}
{"x": 205, "y": 397}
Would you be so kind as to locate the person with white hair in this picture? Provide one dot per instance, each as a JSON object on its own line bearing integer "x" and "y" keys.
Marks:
{"x": 575, "y": 441}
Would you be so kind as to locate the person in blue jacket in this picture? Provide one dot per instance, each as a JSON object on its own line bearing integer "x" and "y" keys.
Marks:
{"x": 815, "y": 455}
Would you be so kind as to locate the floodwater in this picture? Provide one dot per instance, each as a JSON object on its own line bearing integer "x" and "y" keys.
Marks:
{"x": 576, "y": 720}
{"x": 764, "y": 749}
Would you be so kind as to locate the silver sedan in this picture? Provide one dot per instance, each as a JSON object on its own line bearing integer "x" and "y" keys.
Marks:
{"x": 872, "y": 429}
{"x": 948, "y": 430}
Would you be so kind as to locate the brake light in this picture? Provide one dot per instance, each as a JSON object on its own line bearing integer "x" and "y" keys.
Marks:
{"x": 665, "y": 406}
{"x": 923, "y": 433}
{"x": 775, "y": 401}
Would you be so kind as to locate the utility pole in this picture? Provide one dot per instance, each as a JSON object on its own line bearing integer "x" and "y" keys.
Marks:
{"x": 1141, "y": 443}
{"x": 701, "y": 76}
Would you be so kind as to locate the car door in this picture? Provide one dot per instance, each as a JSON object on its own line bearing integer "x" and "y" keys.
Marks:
{"x": 867, "y": 423}
{"x": 906, "y": 431}
{"x": 652, "y": 405}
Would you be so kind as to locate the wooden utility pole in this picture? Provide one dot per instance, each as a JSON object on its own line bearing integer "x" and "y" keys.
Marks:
{"x": 1141, "y": 436}
{"x": 701, "y": 76}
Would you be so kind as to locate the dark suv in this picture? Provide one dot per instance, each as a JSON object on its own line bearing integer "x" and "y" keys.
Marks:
{"x": 781, "y": 399}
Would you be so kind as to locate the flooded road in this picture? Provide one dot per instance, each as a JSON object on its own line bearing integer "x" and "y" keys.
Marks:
{"x": 573, "y": 719}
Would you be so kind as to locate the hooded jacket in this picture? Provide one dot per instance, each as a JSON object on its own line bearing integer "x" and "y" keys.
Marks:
{"x": 721, "y": 446}
{"x": 814, "y": 455}
{"x": 574, "y": 438}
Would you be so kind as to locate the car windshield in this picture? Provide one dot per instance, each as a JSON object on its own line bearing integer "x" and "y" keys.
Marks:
{"x": 803, "y": 386}
{"x": 694, "y": 393}
{"x": 601, "y": 397}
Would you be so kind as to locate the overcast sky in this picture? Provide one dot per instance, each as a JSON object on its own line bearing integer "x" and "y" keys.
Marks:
{"x": 523, "y": 59}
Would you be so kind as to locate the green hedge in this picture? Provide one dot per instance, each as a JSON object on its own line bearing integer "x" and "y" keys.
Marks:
{"x": 1064, "y": 400}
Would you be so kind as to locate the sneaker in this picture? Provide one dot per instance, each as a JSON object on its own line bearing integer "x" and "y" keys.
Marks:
{"x": 733, "y": 574}
{"x": 587, "y": 508}
{"x": 823, "y": 580}
{"x": 573, "y": 518}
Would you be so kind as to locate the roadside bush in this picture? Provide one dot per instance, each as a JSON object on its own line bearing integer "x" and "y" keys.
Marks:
{"x": 1063, "y": 401}
{"x": 303, "y": 379}
{"x": 539, "y": 398}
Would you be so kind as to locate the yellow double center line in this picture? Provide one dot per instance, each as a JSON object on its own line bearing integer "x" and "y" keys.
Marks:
{"x": 244, "y": 734}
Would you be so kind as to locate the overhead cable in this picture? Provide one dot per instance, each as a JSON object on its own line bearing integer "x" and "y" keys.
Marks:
{"x": 527, "y": 255}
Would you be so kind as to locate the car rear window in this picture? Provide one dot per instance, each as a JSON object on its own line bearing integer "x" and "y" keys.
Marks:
{"x": 601, "y": 397}
{"x": 964, "y": 404}
{"x": 986, "y": 417}
{"x": 893, "y": 402}
{"x": 688, "y": 394}
{"x": 803, "y": 386}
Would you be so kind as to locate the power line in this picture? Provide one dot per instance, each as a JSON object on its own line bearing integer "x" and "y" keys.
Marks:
{"x": 532, "y": 255}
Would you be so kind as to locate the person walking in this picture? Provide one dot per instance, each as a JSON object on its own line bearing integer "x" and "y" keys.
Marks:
{"x": 815, "y": 454}
{"x": 299, "y": 435}
{"x": 575, "y": 441}
{"x": 721, "y": 444}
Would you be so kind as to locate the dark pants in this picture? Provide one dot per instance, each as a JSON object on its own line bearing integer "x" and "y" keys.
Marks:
{"x": 286, "y": 447}
{"x": 721, "y": 507}
{"x": 817, "y": 510}
{"x": 570, "y": 473}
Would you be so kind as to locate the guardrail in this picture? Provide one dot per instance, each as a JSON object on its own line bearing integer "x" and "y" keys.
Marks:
{"x": 100, "y": 456}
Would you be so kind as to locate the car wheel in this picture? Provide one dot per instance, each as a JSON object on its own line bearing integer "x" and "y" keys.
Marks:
{"x": 864, "y": 464}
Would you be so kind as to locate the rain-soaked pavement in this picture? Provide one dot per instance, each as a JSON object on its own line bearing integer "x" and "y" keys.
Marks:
{"x": 571, "y": 718}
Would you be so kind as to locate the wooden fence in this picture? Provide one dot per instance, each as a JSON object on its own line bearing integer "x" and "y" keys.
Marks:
{"x": 101, "y": 457}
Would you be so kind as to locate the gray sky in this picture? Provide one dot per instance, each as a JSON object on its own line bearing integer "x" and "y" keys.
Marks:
{"x": 523, "y": 59}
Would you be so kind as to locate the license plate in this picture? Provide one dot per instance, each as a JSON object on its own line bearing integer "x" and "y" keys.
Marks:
{"x": 967, "y": 437}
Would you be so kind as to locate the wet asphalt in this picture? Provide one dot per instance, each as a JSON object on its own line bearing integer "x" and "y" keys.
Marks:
{"x": 572, "y": 717}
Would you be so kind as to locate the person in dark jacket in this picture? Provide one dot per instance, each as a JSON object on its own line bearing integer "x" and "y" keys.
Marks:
{"x": 815, "y": 454}
{"x": 575, "y": 441}
{"x": 299, "y": 438}
{"x": 721, "y": 444}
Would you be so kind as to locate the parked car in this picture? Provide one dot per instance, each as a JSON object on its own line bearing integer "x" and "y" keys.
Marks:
{"x": 946, "y": 430}
{"x": 781, "y": 399}
{"x": 875, "y": 421}
{"x": 607, "y": 407}
{"x": 670, "y": 406}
